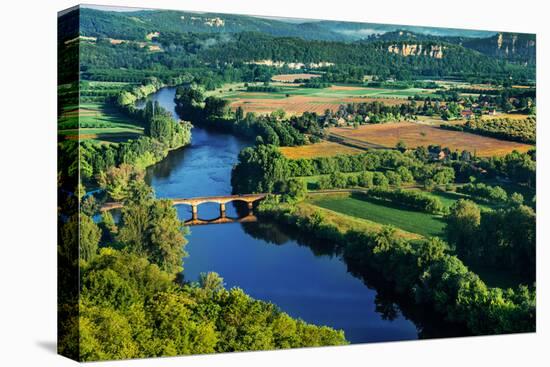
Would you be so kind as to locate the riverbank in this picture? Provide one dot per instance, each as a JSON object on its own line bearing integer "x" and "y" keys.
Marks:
{"x": 425, "y": 272}
{"x": 170, "y": 134}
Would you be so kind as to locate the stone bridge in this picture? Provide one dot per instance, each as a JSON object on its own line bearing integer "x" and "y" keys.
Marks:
{"x": 250, "y": 199}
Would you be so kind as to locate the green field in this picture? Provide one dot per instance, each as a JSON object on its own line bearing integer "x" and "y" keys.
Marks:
{"x": 97, "y": 92}
{"x": 424, "y": 224}
{"x": 97, "y": 121}
{"x": 384, "y": 213}
{"x": 238, "y": 91}
{"x": 93, "y": 118}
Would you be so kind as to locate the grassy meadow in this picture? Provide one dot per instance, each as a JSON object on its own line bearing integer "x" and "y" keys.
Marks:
{"x": 383, "y": 213}
{"x": 97, "y": 121}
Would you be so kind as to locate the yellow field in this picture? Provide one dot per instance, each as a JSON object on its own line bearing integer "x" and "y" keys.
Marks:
{"x": 414, "y": 134}
{"x": 511, "y": 116}
{"x": 322, "y": 149}
{"x": 296, "y": 105}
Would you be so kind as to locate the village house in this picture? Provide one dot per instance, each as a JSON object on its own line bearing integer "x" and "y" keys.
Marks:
{"x": 467, "y": 114}
{"x": 437, "y": 155}
{"x": 341, "y": 122}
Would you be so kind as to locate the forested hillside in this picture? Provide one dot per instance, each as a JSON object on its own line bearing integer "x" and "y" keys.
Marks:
{"x": 178, "y": 40}
{"x": 135, "y": 25}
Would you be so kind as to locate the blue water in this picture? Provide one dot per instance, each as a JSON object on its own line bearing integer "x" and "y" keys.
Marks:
{"x": 273, "y": 267}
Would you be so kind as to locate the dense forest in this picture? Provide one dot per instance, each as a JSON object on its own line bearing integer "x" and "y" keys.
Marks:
{"x": 193, "y": 46}
{"x": 372, "y": 58}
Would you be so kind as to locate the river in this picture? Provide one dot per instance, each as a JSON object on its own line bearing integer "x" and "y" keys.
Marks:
{"x": 266, "y": 261}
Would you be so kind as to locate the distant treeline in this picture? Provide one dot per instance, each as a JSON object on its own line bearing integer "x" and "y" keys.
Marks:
{"x": 371, "y": 113}
{"x": 405, "y": 165}
{"x": 520, "y": 130}
{"x": 212, "y": 112}
{"x": 403, "y": 84}
{"x": 313, "y": 83}
{"x": 484, "y": 192}
{"x": 415, "y": 200}
{"x": 264, "y": 169}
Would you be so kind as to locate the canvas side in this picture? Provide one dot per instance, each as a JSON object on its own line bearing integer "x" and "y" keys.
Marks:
{"x": 67, "y": 184}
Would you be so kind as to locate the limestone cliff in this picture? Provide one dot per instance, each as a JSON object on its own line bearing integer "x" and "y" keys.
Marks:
{"x": 517, "y": 47}
{"x": 417, "y": 49}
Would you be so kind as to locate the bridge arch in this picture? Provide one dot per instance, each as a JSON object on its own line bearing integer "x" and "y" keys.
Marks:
{"x": 222, "y": 200}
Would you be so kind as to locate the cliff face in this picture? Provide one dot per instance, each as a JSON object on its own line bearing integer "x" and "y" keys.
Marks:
{"x": 417, "y": 49}
{"x": 516, "y": 47}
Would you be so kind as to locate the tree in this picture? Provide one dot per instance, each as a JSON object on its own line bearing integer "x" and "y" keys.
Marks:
{"x": 429, "y": 251}
{"x": 89, "y": 205}
{"x": 89, "y": 234}
{"x": 80, "y": 191}
{"x": 365, "y": 179}
{"x": 152, "y": 228}
{"x": 393, "y": 178}
{"x": 108, "y": 223}
{"x": 379, "y": 179}
{"x": 338, "y": 180}
{"x": 444, "y": 175}
{"x": 189, "y": 101}
{"x": 462, "y": 226}
{"x": 294, "y": 189}
{"x": 384, "y": 240}
{"x": 279, "y": 114}
{"x": 259, "y": 169}
{"x": 68, "y": 246}
{"x": 406, "y": 174}
{"x": 215, "y": 107}
{"x": 239, "y": 113}
{"x": 116, "y": 180}
{"x": 401, "y": 146}
{"x": 176, "y": 324}
{"x": 133, "y": 226}
{"x": 166, "y": 241}
{"x": 211, "y": 282}
{"x": 161, "y": 127}
{"x": 516, "y": 199}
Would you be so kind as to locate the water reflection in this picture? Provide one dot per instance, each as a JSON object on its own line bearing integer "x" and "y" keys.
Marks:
{"x": 389, "y": 305}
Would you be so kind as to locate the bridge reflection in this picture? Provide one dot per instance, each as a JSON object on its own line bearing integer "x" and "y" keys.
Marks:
{"x": 221, "y": 220}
